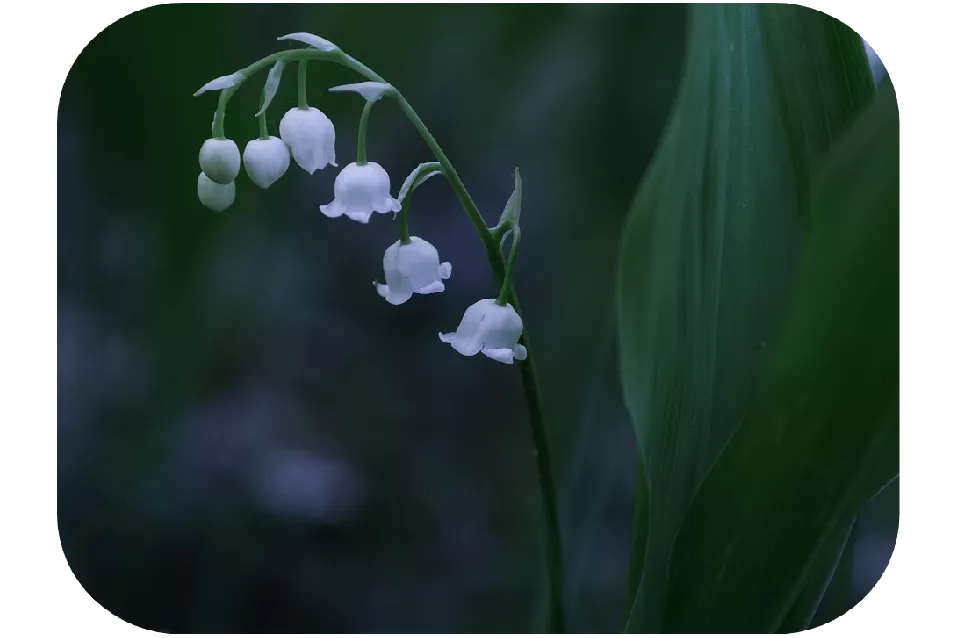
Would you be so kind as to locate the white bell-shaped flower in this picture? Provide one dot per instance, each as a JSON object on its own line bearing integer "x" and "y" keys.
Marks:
{"x": 310, "y": 136}
{"x": 360, "y": 191}
{"x": 220, "y": 160}
{"x": 491, "y": 329}
{"x": 216, "y": 197}
{"x": 412, "y": 268}
{"x": 266, "y": 160}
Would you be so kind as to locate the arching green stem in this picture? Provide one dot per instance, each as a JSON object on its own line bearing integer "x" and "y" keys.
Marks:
{"x": 219, "y": 116}
{"x": 404, "y": 225}
{"x": 302, "y": 85}
{"x": 362, "y": 134}
{"x": 264, "y": 134}
{"x": 528, "y": 375}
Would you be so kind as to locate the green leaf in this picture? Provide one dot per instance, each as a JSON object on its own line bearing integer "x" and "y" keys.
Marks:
{"x": 313, "y": 40}
{"x": 270, "y": 85}
{"x": 821, "y": 438}
{"x": 418, "y": 176}
{"x": 711, "y": 247}
{"x": 220, "y": 83}
{"x": 511, "y": 212}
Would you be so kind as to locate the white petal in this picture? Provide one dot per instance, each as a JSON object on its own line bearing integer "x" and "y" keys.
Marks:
{"x": 501, "y": 327}
{"x": 466, "y": 347}
{"x": 388, "y": 205}
{"x": 362, "y": 190}
{"x": 333, "y": 209}
{"x": 362, "y": 216}
{"x": 216, "y": 197}
{"x": 313, "y": 40}
{"x": 371, "y": 91}
{"x": 220, "y": 160}
{"x": 473, "y": 317}
{"x": 265, "y": 161}
{"x": 503, "y": 355}
{"x": 432, "y": 288}
{"x": 519, "y": 352}
{"x": 419, "y": 263}
{"x": 394, "y": 297}
{"x": 391, "y": 270}
{"x": 311, "y": 137}
{"x": 446, "y": 269}
{"x": 391, "y": 257}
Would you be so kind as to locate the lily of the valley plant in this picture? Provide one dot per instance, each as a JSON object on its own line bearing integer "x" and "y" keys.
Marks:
{"x": 491, "y": 326}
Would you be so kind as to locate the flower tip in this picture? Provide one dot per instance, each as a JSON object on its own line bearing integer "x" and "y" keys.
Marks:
{"x": 503, "y": 355}
{"x": 393, "y": 297}
{"x": 430, "y": 289}
{"x": 370, "y": 91}
{"x": 363, "y": 218}
{"x": 311, "y": 39}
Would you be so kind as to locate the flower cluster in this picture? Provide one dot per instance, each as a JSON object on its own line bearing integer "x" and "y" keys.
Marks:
{"x": 411, "y": 265}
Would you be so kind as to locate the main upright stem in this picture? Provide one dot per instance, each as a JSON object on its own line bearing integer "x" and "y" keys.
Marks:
{"x": 528, "y": 375}
{"x": 528, "y": 372}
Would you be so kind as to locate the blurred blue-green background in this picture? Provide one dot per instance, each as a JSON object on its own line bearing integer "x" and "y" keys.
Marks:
{"x": 250, "y": 438}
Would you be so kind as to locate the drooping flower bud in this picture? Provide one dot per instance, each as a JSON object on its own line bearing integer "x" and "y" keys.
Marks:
{"x": 310, "y": 136}
{"x": 412, "y": 268}
{"x": 360, "y": 191}
{"x": 216, "y": 197}
{"x": 491, "y": 329}
{"x": 220, "y": 160}
{"x": 265, "y": 161}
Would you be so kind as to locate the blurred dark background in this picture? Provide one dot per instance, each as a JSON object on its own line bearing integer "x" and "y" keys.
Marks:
{"x": 250, "y": 438}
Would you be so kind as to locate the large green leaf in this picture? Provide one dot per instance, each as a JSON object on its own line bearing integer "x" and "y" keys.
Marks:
{"x": 822, "y": 435}
{"x": 712, "y": 244}
{"x": 819, "y": 66}
{"x": 823, "y": 565}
